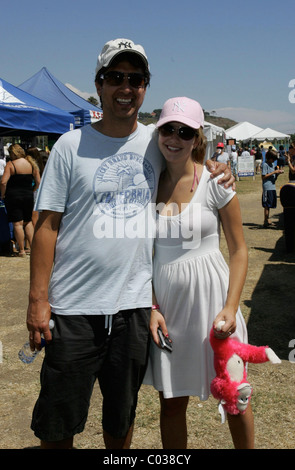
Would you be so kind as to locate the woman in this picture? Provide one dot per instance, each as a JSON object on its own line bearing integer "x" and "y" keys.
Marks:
{"x": 192, "y": 285}
{"x": 281, "y": 157}
{"x": 291, "y": 162}
{"x": 17, "y": 189}
{"x": 34, "y": 153}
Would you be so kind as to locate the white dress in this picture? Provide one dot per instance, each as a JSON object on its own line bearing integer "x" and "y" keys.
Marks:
{"x": 190, "y": 280}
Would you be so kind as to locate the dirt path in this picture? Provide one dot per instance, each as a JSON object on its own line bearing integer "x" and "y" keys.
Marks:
{"x": 267, "y": 304}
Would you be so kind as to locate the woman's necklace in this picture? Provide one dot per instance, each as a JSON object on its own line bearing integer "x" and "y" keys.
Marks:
{"x": 196, "y": 179}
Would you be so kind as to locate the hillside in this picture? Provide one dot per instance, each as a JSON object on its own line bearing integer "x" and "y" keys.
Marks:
{"x": 226, "y": 123}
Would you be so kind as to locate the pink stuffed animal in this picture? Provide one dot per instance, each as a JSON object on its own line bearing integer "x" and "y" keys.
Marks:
{"x": 230, "y": 385}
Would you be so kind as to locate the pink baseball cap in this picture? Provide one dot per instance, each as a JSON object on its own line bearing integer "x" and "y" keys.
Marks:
{"x": 184, "y": 110}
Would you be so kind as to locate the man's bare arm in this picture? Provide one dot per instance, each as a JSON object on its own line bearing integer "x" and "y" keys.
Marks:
{"x": 42, "y": 257}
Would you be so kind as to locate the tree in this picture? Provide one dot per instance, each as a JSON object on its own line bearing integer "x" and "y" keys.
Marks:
{"x": 157, "y": 112}
{"x": 92, "y": 100}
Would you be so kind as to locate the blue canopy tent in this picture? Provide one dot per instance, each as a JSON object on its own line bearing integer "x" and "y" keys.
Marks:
{"x": 22, "y": 113}
{"x": 46, "y": 87}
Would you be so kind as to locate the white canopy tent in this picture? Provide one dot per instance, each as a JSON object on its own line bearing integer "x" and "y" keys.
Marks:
{"x": 270, "y": 134}
{"x": 247, "y": 132}
{"x": 242, "y": 131}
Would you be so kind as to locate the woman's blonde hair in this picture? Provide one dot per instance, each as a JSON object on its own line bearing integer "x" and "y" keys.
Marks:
{"x": 18, "y": 152}
{"x": 199, "y": 152}
{"x": 36, "y": 156}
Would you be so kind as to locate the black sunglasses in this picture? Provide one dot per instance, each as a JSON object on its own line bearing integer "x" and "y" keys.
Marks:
{"x": 135, "y": 79}
{"x": 185, "y": 133}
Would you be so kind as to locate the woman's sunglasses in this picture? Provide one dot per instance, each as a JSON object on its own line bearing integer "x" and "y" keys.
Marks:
{"x": 135, "y": 79}
{"x": 185, "y": 133}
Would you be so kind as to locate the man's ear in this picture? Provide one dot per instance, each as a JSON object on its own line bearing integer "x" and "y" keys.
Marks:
{"x": 98, "y": 87}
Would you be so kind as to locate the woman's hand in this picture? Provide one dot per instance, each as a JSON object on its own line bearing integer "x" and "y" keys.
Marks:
{"x": 157, "y": 320}
{"x": 228, "y": 317}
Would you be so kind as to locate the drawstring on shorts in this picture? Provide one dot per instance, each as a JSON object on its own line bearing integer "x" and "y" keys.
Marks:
{"x": 108, "y": 323}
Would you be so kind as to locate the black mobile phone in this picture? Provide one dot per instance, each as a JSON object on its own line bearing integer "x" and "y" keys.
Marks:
{"x": 165, "y": 343}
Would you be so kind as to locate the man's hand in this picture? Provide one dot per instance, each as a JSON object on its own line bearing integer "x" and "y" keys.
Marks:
{"x": 217, "y": 168}
{"x": 42, "y": 258}
{"x": 38, "y": 316}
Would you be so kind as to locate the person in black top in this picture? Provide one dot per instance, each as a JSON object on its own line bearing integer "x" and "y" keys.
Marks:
{"x": 17, "y": 188}
{"x": 291, "y": 162}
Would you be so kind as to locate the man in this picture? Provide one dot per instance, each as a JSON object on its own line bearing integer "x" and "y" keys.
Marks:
{"x": 234, "y": 161}
{"x": 258, "y": 160}
{"x": 245, "y": 152}
{"x": 221, "y": 155}
{"x": 94, "y": 199}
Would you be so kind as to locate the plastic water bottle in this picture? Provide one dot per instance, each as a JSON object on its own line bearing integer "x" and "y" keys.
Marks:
{"x": 26, "y": 355}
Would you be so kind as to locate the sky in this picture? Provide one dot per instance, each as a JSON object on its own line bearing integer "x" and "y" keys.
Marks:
{"x": 235, "y": 57}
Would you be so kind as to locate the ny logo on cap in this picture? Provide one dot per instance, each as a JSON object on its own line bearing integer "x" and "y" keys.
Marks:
{"x": 177, "y": 106}
{"x": 126, "y": 44}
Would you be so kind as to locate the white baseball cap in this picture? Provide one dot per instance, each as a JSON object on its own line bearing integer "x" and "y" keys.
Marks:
{"x": 115, "y": 47}
{"x": 184, "y": 110}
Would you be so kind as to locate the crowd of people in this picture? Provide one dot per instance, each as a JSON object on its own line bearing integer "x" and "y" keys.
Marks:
{"x": 268, "y": 163}
{"x": 230, "y": 157}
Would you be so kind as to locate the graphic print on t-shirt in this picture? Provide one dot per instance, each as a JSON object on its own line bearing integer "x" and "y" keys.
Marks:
{"x": 123, "y": 185}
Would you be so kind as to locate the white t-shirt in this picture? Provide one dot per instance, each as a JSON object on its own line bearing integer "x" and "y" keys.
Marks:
{"x": 2, "y": 166}
{"x": 234, "y": 156}
{"x": 104, "y": 187}
{"x": 223, "y": 157}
